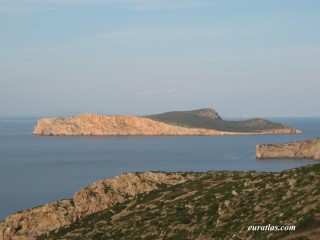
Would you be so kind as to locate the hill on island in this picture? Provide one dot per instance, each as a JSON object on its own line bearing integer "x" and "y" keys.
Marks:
{"x": 209, "y": 119}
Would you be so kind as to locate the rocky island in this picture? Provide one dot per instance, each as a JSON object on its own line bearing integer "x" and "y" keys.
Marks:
{"x": 197, "y": 122}
{"x": 158, "y": 205}
{"x": 302, "y": 149}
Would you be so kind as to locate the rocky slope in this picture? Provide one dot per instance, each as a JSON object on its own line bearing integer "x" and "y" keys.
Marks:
{"x": 302, "y": 149}
{"x": 29, "y": 224}
{"x": 99, "y": 125}
{"x": 213, "y": 205}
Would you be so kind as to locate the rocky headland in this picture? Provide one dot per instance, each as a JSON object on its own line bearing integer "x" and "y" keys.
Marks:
{"x": 198, "y": 122}
{"x": 156, "y": 205}
{"x": 301, "y": 149}
{"x": 29, "y": 224}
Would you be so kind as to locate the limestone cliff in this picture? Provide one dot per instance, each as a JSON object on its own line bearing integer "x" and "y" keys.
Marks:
{"x": 29, "y": 224}
{"x": 101, "y": 125}
{"x": 302, "y": 149}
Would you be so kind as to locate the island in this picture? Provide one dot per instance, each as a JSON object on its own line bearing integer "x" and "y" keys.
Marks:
{"x": 180, "y": 205}
{"x": 309, "y": 148}
{"x": 205, "y": 122}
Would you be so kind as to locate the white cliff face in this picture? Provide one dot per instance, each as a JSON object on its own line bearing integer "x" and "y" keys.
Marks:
{"x": 303, "y": 149}
{"x": 100, "y": 125}
{"x": 29, "y": 224}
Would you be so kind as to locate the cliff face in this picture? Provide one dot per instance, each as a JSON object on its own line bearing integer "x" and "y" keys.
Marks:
{"x": 99, "y": 125}
{"x": 208, "y": 113}
{"x": 29, "y": 224}
{"x": 303, "y": 149}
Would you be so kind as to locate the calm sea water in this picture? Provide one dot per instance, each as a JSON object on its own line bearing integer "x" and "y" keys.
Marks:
{"x": 35, "y": 170}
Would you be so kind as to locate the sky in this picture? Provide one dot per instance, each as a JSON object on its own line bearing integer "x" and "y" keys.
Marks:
{"x": 140, "y": 57}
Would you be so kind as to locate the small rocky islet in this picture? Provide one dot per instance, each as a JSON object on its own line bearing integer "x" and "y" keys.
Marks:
{"x": 197, "y": 122}
{"x": 309, "y": 149}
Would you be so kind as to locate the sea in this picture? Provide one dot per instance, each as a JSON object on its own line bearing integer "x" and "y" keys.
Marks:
{"x": 35, "y": 170}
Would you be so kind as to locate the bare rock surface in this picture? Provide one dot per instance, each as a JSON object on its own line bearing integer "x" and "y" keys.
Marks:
{"x": 302, "y": 149}
{"x": 29, "y": 224}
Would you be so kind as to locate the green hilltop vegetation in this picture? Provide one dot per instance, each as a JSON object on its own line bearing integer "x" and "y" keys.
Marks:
{"x": 209, "y": 119}
{"x": 213, "y": 205}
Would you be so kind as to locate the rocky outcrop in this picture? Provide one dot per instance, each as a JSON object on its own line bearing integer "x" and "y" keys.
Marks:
{"x": 204, "y": 112}
{"x": 101, "y": 125}
{"x": 208, "y": 113}
{"x": 303, "y": 149}
{"x": 29, "y": 224}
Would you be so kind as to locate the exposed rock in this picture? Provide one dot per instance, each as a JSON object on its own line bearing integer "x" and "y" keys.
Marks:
{"x": 103, "y": 194}
{"x": 101, "y": 125}
{"x": 209, "y": 113}
{"x": 30, "y": 223}
{"x": 98, "y": 196}
{"x": 302, "y": 149}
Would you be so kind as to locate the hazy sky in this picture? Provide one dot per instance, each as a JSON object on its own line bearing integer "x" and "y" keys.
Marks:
{"x": 241, "y": 57}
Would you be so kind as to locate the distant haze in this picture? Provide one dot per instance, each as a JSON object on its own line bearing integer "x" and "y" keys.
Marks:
{"x": 242, "y": 58}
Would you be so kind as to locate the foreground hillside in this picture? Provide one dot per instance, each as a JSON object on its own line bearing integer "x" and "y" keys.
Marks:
{"x": 214, "y": 205}
{"x": 199, "y": 122}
